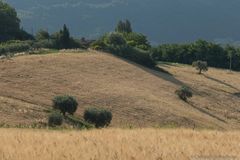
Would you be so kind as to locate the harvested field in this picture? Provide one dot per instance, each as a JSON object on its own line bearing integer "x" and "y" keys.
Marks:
{"x": 137, "y": 96}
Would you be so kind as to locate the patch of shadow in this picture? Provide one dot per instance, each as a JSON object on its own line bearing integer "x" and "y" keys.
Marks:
{"x": 161, "y": 73}
{"x": 205, "y": 112}
{"x": 237, "y": 94}
{"x": 156, "y": 71}
{"x": 221, "y": 82}
{"x": 159, "y": 69}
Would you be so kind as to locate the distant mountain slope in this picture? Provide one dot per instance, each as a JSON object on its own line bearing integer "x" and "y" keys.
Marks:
{"x": 161, "y": 20}
{"x": 137, "y": 96}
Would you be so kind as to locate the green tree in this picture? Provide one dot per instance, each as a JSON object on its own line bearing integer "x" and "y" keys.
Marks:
{"x": 128, "y": 26}
{"x": 62, "y": 38}
{"x": 137, "y": 40}
{"x": 115, "y": 39}
{"x": 66, "y": 104}
{"x": 120, "y": 27}
{"x": 201, "y": 48}
{"x": 42, "y": 35}
{"x": 65, "y": 37}
{"x": 124, "y": 27}
{"x": 98, "y": 116}
{"x": 9, "y": 22}
{"x": 231, "y": 52}
{"x": 200, "y": 66}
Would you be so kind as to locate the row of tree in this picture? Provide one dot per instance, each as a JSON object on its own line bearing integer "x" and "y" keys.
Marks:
{"x": 216, "y": 55}
{"x": 57, "y": 40}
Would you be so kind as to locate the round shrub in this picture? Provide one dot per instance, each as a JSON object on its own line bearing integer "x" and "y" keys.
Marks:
{"x": 14, "y": 47}
{"x": 55, "y": 119}
{"x": 98, "y": 117}
{"x": 184, "y": 93}
{"x": 66, "y": 104}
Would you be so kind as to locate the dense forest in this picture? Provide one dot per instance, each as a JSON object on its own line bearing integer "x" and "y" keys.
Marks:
{"x": 122, "y": 42}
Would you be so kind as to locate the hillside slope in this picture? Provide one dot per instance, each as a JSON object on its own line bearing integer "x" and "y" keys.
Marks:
{"x": 136, "y": 96}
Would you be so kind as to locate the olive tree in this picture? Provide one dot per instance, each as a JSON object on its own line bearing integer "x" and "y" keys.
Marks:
{"x": 200, "y": 66}
{"x": 66, "y": 104}
{"x": 184, "y": 93}
{"x": 98, "y": 116}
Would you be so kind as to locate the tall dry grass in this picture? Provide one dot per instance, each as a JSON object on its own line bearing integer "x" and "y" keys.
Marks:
{"x": 118, "y": 144}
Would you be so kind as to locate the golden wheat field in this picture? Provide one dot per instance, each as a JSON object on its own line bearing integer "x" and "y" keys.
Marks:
{"x": 118, "y": 144}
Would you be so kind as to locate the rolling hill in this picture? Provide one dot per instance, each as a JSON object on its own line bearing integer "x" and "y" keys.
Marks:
{"x": 137, "y": 96}
{"x": 163, "y": 21}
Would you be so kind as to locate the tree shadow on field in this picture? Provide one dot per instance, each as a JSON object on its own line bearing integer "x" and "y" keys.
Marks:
{"x": 156, "y": 71}
{"x": 205, "y": 112}
{"x": 165, "y": 75}
{"x": 221, "y": 82}
{"x": 237, "y": 94}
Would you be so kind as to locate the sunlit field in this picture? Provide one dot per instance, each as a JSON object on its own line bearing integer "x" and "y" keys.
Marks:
{"x": 118, "y": 144}
{"x": 136, "y": 96}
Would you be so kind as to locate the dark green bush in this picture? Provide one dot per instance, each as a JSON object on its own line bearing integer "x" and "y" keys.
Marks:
{"x": 14, "y": 47}
{"x": 184, "y": 93}
{"x": 66, "y": 104}
{"x": 55, "y": 119}
{"x": 98, "y": 117}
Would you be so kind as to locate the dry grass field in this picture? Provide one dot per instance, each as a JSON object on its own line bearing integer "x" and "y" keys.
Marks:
{"x": 137, "y": 96}
{"x": 119, "y": 144}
